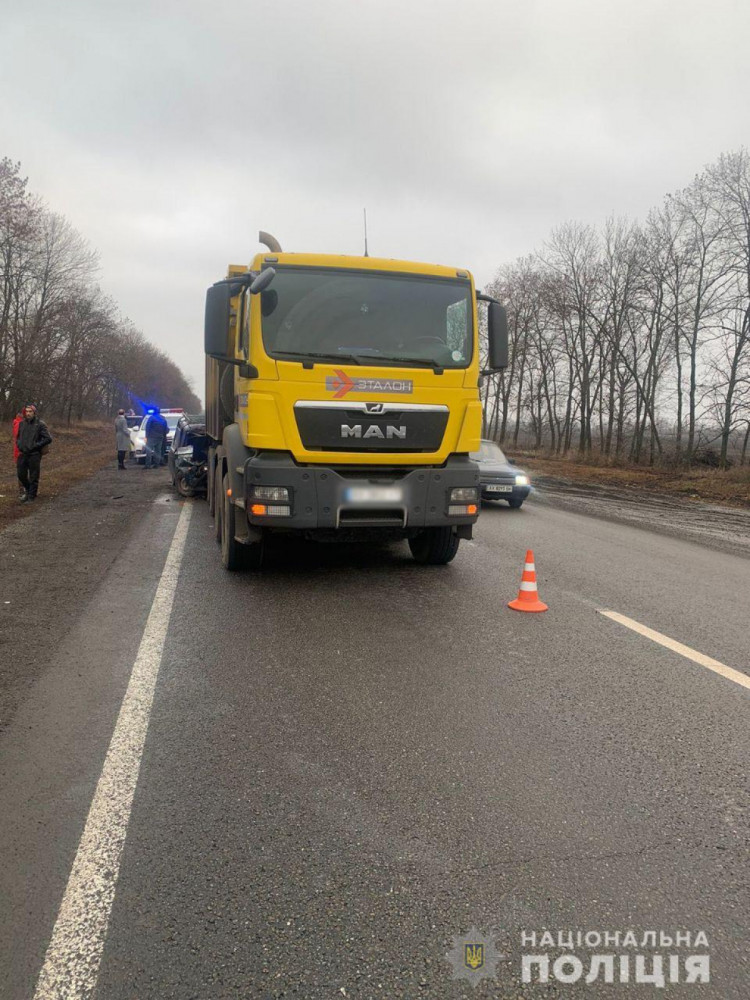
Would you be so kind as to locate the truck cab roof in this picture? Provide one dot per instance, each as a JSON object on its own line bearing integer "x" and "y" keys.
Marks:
{"x": 351, "y": 262}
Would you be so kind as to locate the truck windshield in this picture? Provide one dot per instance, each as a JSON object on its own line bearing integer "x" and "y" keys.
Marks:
{"x": 373, "y": 318}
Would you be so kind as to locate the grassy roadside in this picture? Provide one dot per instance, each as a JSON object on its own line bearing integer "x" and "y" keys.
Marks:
{"x": 730, "y": 487}
{"x": 76, "y": 452}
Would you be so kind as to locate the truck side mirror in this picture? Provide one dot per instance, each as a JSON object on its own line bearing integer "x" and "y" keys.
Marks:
{"x": 497, "y": 336}
{"x": 216, "y": 328}
{"x": 263, "y": 280}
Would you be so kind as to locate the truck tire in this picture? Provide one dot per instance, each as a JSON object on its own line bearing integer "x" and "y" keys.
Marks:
{"x": 232, "y": 552}
{"x": 434, "y": 546}
{"x": 218, "y": 505}
{"x": 236, "y": 555}
{"x": 210, "y": 487}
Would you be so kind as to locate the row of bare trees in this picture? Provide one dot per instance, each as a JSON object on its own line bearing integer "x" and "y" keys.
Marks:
{"x": 633, "y": 342}
{"x": 63, "y": 344}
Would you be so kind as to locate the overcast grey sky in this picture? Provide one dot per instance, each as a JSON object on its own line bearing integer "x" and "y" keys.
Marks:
{"x": 170, "y": 133}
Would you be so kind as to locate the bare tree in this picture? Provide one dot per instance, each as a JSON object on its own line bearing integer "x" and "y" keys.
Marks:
{"x": 637, "y": 334}
{"x": 60, "y": 338}
{"x": 572, "y": 255}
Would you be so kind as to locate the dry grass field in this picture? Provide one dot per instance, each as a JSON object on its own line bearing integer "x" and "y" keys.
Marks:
{"x": 730, "y": 487}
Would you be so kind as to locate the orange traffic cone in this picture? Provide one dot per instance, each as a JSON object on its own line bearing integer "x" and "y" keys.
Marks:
{"x": 528, "y": 598}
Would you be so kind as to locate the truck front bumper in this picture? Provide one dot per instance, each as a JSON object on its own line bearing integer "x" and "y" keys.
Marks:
{"x": 324, "y": 498}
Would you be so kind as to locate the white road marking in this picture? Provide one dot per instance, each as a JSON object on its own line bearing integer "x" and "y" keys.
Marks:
{"x": 691, "y": 654}
{"x": 71, "y": 965}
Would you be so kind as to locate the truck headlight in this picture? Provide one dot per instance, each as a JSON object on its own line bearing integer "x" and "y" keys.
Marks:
{"x": 464, "y": 494}
{"x": 522, "y": 480}
{"x": 270, "y": 494}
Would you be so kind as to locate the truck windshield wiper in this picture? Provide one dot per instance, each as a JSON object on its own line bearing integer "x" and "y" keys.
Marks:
{"x": 303, "y": 356}
{"x": 421, "y": 362}
{"x": 311, "y": 357}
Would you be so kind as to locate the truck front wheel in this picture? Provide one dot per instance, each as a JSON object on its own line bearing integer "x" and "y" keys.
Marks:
{"x": 434, "y": 546}
{"x": 218, "y": 504}
{"x": 211, "y": 486}
{"x": 231, "y": 550}
{"x": 236, "y": 555}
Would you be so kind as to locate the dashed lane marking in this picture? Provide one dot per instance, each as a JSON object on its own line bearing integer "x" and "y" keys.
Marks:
{"x": 691, "y": 654}
{"x": 71, "y": 965}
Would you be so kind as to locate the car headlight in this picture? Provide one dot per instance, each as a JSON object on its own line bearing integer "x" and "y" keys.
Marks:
{"x": 522, "y": 480}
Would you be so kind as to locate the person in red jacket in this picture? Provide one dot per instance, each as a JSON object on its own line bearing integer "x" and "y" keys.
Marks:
{"x": 16, "y": 424}
{"x": 16, "y": 453}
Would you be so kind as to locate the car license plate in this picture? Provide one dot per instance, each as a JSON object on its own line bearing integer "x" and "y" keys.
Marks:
{"x": 499, "y": 489}
{"x": 374, "y": 494}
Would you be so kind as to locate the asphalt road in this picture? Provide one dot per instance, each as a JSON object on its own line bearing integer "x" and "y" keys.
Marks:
{"x": 351, "y": 760}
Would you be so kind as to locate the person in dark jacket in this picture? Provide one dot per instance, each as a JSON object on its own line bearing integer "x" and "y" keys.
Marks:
{"x": 31, "y": 438}
{"x": 156, "y": 435}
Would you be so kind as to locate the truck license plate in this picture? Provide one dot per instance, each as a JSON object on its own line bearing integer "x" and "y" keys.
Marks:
{"x": 499, "y": 489}
{"x": 373, "y": 494}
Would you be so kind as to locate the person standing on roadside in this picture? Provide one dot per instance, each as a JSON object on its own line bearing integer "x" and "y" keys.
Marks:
{"x": 122, "y": 434}
{"x": 31, "y": 439}
{"x": 156, "y": 434}
{"x": 16, "y": 424}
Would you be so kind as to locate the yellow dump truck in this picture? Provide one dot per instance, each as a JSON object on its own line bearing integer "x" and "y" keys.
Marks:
{"x": 342, "y": 401}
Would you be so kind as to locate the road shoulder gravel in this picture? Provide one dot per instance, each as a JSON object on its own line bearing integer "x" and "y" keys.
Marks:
{"x": 53, "y": 562}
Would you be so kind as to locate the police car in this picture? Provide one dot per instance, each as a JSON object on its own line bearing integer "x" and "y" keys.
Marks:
{"x": 139, "y": 435}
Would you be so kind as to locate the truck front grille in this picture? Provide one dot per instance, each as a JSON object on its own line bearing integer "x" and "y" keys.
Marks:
{"x": 370, "y": 427}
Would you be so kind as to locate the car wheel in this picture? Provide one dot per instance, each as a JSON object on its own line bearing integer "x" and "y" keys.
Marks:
{"x": 182, "y": 487}
{"x": 515, "y": 504}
